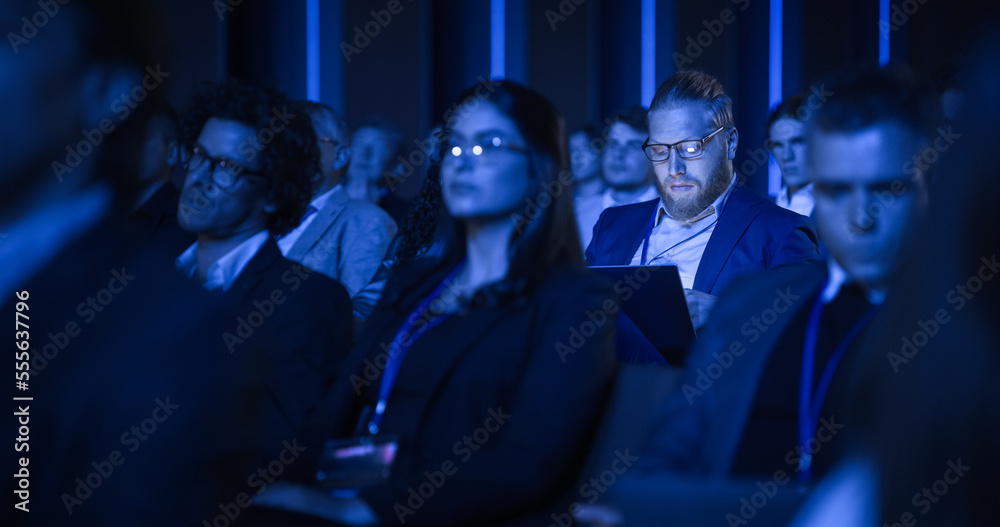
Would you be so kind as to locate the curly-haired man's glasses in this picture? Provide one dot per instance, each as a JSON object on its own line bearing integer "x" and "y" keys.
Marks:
{"x": 225, "y": 172}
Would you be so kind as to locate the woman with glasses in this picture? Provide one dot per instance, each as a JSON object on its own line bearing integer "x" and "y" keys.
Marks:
{"x": 489, "y": 366}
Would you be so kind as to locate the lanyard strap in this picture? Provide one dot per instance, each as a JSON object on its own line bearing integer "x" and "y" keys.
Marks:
{"x": 811, "y": 403}
{"x": 404, "y": 340}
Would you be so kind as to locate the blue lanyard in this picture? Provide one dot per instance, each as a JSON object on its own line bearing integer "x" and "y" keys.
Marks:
{"x": 404, "y": 340}
{"x": 652, "y": 223}
{"x": 811, "y": 403}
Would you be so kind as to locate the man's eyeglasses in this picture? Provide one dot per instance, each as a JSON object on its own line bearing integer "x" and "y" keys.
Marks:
{"x": 328, "y": 140}
{"x": 685, "y": 149}
{"x": 224, "y": 172}
{"x": 488, "y": 150}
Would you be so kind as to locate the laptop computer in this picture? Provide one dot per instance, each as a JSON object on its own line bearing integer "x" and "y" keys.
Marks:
{"x": 653, "y": 298}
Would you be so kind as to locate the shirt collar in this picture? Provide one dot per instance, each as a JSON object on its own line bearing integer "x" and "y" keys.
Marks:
{"x": 320, "y": 201}
{"x": 805, "y": 191}
{"x": 224, "y": 271}
{"x": 711, "y": 210}
{"x": 837, "y": 277}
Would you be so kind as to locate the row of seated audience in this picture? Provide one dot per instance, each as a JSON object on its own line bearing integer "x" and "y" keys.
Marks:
{"x": 258, "y": 334}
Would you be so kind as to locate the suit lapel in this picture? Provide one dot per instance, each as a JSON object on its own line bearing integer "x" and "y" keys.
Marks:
{"x": 313, "y": 233}
{"x": 255, "y": 271}
{"x": 736, "y": 217}
{"x": 633, "y": 232}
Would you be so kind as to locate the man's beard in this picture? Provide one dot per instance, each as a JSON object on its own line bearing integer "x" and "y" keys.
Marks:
{"x": 684, "y": 209}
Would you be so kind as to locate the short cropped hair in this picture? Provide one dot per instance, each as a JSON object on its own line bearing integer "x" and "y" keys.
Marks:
{"x": 326, "y": 121}
{"x": 633, "y": 116}
{"x": 791, "y": 107}
{"x": 695, "y": 87}
{"x": 873, "y": 94}
{"x": 588, "y": 130}
{"x": 393, "y": 135}
{"x": 289, "y": 160}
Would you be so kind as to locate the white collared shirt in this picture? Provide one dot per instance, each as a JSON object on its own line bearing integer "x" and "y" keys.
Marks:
{"x": 286, "y": 242}
{"x": 673, "y": 242}
{"x": 801, "y": 202}
{"x": 224, "y": 271}
{"x": 837, "y": 277}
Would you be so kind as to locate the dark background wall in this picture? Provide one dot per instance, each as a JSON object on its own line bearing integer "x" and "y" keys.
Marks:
{"x": 583, "y": 54}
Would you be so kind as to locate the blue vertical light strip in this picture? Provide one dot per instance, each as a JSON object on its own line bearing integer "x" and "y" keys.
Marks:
{"x": 648, "y": 44}
{"x": 498, "y": 25}
{"x": 883, "y": 32}
{"x": 312, "y": 50}
{"x": 774, "y": 88}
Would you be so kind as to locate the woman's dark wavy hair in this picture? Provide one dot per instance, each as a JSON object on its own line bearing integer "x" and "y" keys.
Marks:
{"x": 547, "y": 236}
{"x": 289, "y": 160}
{"x": 423, "y": 222}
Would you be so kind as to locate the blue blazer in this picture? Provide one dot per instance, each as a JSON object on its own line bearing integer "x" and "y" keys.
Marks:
{"x": 753, "y": 234}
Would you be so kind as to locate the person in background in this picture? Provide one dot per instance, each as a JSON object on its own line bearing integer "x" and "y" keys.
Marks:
{"x": 239, "y": 193}
{"x": 342, "y": 238}
{"x": 585, "y": 164}
{"x": 798, "y": 330}
{"x": 627, "y": 173}
{"x": 376, "y": 151}
{"x": 927, "y": 414}
{"x": 421, "y": 235}
{"x": 154, "y": 218}
{"x": 478, "y": 338}
{"x": 704, "y": 222}
{"x": 786, "y": 142}
{"x": 117, "y": 353}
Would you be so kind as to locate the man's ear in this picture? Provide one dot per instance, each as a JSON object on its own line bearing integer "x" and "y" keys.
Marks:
{"x": 101, "y": 90}
{"x": 343, "y": 157}
{"x": 731, "y": 143}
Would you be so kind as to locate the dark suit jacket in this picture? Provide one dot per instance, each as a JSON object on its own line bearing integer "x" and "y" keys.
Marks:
{"x": 155, "y": 221}
{"x": 752, "y": 235}
{"x": 521, "y": 360}
{"x": 305, "y": 334}
{"x": 700, "y": 427}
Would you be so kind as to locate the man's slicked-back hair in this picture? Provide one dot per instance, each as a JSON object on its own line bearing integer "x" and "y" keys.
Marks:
{"x": 873, "y": 94}
{"x": 699, "y": 88}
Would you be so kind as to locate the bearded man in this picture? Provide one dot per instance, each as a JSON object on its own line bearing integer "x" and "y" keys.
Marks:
{"x": 704, "y": 221}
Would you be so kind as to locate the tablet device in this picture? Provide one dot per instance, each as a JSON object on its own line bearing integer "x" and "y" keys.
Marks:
{"x": 653, "y": 298}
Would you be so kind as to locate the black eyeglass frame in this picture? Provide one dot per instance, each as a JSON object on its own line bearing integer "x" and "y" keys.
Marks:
{"x": 218, "y": 165}
{"x": 669, "y": 148}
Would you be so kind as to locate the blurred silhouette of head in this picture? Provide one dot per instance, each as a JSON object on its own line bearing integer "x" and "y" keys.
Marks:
{"x": 692, "y": 107}
{"x": 585, "y": 159}
{"x": 376, "y": 145}
{"x": 862, "y": 145}
{"x": 159, "y": 148}
{"x": 251, "y": 159}
{"x": 76, "y": 98}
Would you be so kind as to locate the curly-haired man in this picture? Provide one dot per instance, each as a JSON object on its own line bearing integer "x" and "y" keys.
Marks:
{"x": 250, "y": 159}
